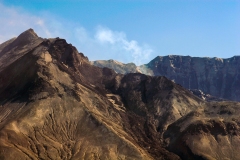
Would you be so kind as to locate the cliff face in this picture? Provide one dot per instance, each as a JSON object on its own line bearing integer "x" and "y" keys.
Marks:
{"x": 54, "y": 104}
{"x": 215, "y": 76}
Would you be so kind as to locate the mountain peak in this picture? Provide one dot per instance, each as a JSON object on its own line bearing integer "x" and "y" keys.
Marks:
{"x": 28, "y": 35}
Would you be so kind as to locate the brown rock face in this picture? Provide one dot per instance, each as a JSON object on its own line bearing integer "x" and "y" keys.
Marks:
{"x": 55, "y": 105}
{"x": 212, "y": 133}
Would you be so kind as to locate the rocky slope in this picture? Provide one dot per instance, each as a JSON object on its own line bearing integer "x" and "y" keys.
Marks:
{"x": 206, "y": 97}
{"x": 215, "y": 76}
{"x": 211, "y": 133}
{"x": 117, "y": 66}
{"x": 54, "y": 104}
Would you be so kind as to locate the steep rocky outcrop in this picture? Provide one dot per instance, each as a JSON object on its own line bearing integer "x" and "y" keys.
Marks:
{"x": 215, "y": 76}
{"x": 54, "y": 104}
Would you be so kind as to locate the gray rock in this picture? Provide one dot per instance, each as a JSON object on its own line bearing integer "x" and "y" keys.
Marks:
{"x": 215, "y": 76}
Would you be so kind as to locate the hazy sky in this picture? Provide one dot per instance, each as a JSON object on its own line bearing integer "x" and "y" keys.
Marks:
{"x": 130, "y": 31}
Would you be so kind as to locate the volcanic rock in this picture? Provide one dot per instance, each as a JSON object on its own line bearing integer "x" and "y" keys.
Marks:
{"x": 54, "y": 104}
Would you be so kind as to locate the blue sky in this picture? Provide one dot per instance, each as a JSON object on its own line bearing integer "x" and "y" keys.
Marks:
{"x": 130, "y": 31}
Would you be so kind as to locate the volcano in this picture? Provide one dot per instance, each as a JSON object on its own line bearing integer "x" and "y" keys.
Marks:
{"x": 54, "y": 104}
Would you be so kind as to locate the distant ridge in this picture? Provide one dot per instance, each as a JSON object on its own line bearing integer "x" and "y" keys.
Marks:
{"x": 218, "y": 77}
